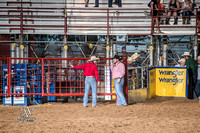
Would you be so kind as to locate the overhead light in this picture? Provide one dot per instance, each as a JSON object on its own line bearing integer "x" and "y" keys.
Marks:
{"x": 90, "y": 46}
{"x": 21, "y": 46}
{"x": 65, "y": 47}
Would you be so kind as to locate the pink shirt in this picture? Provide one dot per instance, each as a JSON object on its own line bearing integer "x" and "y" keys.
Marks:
{"x": 118, "y": 70}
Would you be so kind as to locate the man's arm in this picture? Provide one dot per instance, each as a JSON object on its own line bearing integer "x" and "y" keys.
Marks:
{"x": 79, "y": 67}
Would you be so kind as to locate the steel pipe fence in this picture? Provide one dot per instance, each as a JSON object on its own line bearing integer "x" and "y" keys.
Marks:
{"x": 100, "y": 21}
{"x": 4, "y": 67}
{"x": 137, "y": 78}
{"x": 68, "y": 21}
{"x": 61, "y": 17}
{"x": 72, "y": 20}
{"x": 51, "y": 77}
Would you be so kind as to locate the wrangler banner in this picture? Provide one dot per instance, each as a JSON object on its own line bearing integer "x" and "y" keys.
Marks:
{"x": 168, "y": 81}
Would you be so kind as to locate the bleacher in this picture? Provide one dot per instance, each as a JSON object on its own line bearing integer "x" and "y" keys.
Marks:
{"x": 48, "y": 17}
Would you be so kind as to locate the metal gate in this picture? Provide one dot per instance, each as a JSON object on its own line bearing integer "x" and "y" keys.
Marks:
{"x": 52, "y": 77}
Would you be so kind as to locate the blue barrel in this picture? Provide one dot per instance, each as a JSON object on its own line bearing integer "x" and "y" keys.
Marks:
{"x": 52, "y": 90}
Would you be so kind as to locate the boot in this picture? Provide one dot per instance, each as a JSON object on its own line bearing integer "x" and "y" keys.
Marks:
{"x": 183, "y": 20}
{"x": 167, "y": 20}
{"x": 175, "y": 21}
{"x": 188, "y": 20}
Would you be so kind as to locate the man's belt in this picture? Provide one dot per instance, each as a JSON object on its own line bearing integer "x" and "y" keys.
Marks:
{"x": 90, "y": 76}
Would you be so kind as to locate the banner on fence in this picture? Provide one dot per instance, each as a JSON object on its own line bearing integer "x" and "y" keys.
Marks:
{"x": 168, "y": 82}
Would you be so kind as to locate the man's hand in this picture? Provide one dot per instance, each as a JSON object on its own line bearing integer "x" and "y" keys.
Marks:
{"x": 98, "y": 83}
{"x": 111, "y": 64}
{"x": 118, "y": 80}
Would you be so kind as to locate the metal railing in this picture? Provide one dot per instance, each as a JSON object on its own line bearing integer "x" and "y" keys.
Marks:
{"x": 137, "y": 78}
{"x": 51, "y": 77}
{"x": 73, "y": 21}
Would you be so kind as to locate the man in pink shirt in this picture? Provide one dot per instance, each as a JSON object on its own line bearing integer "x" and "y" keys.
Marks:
{"x": 91, "y": 75}
{"x": 118, "y": 72}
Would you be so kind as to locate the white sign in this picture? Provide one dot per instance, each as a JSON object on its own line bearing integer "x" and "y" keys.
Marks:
{"x": 107, "y": 82}
{"x": 18, "y": 99}
{"x": 8, "y": 99}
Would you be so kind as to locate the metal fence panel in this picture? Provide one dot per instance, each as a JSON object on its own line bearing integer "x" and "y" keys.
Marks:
{"x": 51, "y": 77}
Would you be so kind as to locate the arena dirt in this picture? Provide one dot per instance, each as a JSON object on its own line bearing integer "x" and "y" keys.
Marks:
{"x": 159, "y": 115}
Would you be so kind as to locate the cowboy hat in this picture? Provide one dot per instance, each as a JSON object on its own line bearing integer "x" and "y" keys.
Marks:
{"x": 186, "y": 54}
{"x": 135, "y": 56}
{"x": 92, "y": 58}
{"x": 129, "y": 59}
{"x": 116, "y": 57}
{"x": 183, "y": 59}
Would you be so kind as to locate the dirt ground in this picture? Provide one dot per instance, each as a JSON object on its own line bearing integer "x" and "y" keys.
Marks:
{"x": 159, "y": 115}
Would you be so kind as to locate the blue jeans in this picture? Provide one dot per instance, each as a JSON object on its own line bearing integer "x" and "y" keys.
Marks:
{"x": 90, "y": 81}
{"x": 187, "y": 13}
{"x": 96, "y": 2}
{"x": 197, "y": 90}
{"x": 194, "y": 79}
{"x": 119, "y": 2}
{"x": 109, "y": 2}
{"x": 119, "y": 91}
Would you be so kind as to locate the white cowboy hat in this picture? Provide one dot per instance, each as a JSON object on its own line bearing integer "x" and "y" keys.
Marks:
{"x": 182, "y": 60}
{"x": 92, "y": 58}
{"x": 186, "y": 54}
{"x": 135, "y": 56}
{"x": 129, "y": 59}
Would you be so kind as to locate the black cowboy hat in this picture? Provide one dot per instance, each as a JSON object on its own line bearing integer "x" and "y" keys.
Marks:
{"x": 117, "y": 57}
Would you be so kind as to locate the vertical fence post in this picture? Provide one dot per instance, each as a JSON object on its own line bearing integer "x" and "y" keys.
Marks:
{"x": 21, "y": 28}
{"x": 165, "y": 47}
{"x": 9, "y": 75}
{"x": 196, "y": 36}
{"x": 196, "y": 22}
{"x": 137, "y": 79}
{"x": 125, "y": 87}
{"x": 65, "y": 47}
{"x": 142, "y": 78}
{"x": 151, "y": 53}
{"x": 65, "y": 11}
{"x": 152, "y": 22}
{"x": 108, "y": 24}
{"x": 196, "y": 48}
{"x": 42, "y": 77}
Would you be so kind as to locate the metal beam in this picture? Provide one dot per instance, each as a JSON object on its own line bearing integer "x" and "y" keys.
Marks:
{"x": 165, "y": 47}
{"x": 158, "y": 50}
{"x": 151, "y": 51}
{"x": 196, "y": 48}
{"x": 94, "y": 48}
{"x": 80, "y": 49}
